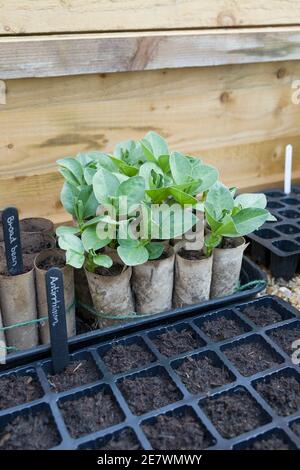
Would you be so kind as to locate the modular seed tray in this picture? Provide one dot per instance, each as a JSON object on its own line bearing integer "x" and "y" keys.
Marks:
{"x": 220, "y": 380}
{"x": 277, "y": 244}
{"x": 252, "y": 277}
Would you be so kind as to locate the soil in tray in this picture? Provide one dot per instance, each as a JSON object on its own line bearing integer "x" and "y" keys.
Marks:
{"x": 122, "y": 357}
{"x": 271, "y": 442}
{"x": 262, "y": 316}
{"x": 233, "y": 413}
{"x": 252, "y": 356}
{"x": 90, "y": 413}
{"x": 202, "y": 373}
{"x": 285, "y": 336}
{"x": 282, "y": 393}
{"x": 221, "y": 328}
{"x": 124, "y": 440}
{"x": 182, "y": 431}
{"x": 173, "y": 342}
{"x": 77, "y": 373}
{"x": 29, "y": 432}
{"x": 18, "y": 389}
{"x": 147, "y": 393}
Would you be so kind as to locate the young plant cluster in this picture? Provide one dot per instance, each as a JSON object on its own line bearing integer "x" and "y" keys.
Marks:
{"x": 142, "y": 194}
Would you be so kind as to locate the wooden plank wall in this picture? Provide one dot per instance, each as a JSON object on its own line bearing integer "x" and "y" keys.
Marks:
{"x": 60, "y": 16}
{"x": 237, "y": 117}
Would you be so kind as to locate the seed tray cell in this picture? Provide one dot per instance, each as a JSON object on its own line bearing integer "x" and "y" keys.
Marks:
{"x": 275, "y": 439}
{"x": 169, "y": 400}
{"x": 252, "y": 355}
{"x": 277, "y": 244}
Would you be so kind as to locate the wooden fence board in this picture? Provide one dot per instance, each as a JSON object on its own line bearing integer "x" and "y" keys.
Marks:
{"x": 50, "y": 16}
{"x": 238, "y": 118}
{"x": 58, "y": 55}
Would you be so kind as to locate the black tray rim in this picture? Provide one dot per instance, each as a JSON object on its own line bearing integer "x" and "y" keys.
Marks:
{"x": 110, "y": 333}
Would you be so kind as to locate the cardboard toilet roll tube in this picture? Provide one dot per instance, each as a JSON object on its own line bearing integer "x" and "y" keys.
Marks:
{"x": 34, "y": 243}
{"x": 193, "y": 239}
{"x": 111, "y": 295}
{"x": 37, "y": 225}
{"x": 227, "y": 263}
{"x": 44, "y": 261}
{"x": 152, "y": 284}
{"x": 18, "y": 305}
{"x": 192, "y": 280}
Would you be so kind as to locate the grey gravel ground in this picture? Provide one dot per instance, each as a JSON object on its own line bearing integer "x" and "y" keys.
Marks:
{"x": 286, "y": 290}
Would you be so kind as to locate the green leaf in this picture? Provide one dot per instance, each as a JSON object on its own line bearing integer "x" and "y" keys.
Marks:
{"x": 220, "y": 199}
{"x": 145, "y": 172}
{"x": 170, "y": 221}
{"x": 164, "y": 163}
{"x": 63, "y": 230}
{"x": 228, "y": 227}
{"x": 90, "y": 205}
{"x": 71, "y": 242}
{"x": 103, "y": 160}
{"x": 250, "y": 219}
{"x": 128, "y": 242}
{"x": 105, "y": 185}
{"x": 67, "y": 197}
{"x": 211, "y": 217}
{"x": 69, "y": 177}
{"x": 207, "y": 174}
{"x": 91, "y": 241}
{"x": 133, "y": 256}
{"x": 74, "y": 259}
{"x": 130, "y": 152}
{"x": 251, "y": 200}
{"x": 158, "y": 196}
{"x": 155, "y": 145}
{"x": 121, "y": 177}
{"x": 73, "y": 166}
{"x": 100, "y": 218}
{"x": 271, "y": 218}
{"x": 134, "y": 190}
{"x": 182, "y": 198}
{"x": 103, "y": 260}
{"x": 123, "y": 148}
{"x": 84, "y": 158}
{"x": 79, "y": 210}
{"x": 181, "y": 167}
{"x": 124, "y": 167}
{"x": 155, "y": 250}
{"x": 96, "y": 158}
{"x": 89, "y": 174}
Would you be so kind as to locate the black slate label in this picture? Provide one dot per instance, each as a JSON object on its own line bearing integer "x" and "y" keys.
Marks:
{"x": 12, "y": 240}
{"x": 57, "y": 319}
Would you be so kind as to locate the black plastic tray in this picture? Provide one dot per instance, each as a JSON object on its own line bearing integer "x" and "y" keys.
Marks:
{"x": 271, "y": 423}
{"x": 277, "y": 244}
{"x": 250, "y": 273}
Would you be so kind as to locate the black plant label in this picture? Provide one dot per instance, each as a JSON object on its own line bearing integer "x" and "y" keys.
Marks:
{"x": 12, "y": 241}
{"x": 57, "y": 319}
